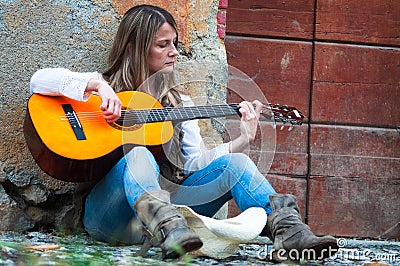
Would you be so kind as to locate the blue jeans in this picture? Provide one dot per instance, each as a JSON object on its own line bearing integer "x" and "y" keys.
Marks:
{"x": 110, "y": 217}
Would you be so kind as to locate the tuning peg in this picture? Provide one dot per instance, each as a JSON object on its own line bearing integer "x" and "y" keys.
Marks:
{"x": 291, "y": 127}
{"x": 283, "y": 126}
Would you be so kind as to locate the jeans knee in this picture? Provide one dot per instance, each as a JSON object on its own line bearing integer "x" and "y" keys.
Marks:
{"x": 138, "y": 152}
{"x": 141, "y": 157}
{"x": 239, "y": 162}
{"x": 141, "y": 168}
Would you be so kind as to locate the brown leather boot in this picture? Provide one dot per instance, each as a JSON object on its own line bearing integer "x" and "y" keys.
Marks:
{"x": 165, "y": 225}
{"x": 293, "y": 240}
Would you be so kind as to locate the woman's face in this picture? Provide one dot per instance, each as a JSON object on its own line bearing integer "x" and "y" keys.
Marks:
{"x": 163, "y": 51}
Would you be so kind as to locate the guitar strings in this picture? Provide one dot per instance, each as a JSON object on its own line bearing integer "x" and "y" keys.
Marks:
{"x": 161, "y": 114}
{"x": 141, "y": 116}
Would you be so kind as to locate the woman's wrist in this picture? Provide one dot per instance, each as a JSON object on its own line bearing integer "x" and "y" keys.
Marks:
{"x": 93, "y": 85}
{"x": 239, "y": 144}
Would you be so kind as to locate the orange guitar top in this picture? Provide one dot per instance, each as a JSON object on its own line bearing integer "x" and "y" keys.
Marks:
{"x": 56, "y": 132}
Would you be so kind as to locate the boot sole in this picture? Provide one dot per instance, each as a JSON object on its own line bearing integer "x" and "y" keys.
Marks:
{"x": 186, "y": 246}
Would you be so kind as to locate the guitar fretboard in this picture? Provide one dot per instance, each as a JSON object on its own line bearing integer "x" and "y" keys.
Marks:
{"x": 177, "y": 114}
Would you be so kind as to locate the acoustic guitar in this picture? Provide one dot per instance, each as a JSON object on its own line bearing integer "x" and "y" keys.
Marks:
{"x": 71, "y": 141}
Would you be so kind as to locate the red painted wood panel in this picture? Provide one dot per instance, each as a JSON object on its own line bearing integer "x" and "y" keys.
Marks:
{"x": 276, "y": 151}
{"x": 354, "y": 145}
{"x": 356, "y": 84}
{"x": 291, "y": 156}
{"x": 282, "y": 69}
{"x": 282, "y": 185}
{"x": 262, "y": 149}
{"x": 271, "y": 18}
{"x": 355, "y": 152}
{"x": 374, "y": 21}
{"x": 365, "y": 207}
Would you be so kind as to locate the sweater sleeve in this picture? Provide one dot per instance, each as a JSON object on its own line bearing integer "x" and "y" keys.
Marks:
{"x": 194, "y": 152}
{"x": 61, "y": 81}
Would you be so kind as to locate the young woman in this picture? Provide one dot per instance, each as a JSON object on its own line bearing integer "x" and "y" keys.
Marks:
{"x": 128, "y": 205}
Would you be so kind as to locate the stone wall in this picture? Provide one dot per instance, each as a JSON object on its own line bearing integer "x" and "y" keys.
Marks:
{"x": 74, "y": 34}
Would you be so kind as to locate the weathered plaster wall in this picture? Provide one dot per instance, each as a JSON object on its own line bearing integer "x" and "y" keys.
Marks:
{"x": 75, "y": 34}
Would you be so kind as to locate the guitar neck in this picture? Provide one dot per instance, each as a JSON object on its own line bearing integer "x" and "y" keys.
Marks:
{"x": 179, "y": 113}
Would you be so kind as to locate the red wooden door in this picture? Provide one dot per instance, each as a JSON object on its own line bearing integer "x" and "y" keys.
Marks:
{"x": 339, "y": 63}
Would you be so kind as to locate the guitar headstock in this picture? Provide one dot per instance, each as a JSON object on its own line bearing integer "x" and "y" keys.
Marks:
{"x": 284, "y": 114}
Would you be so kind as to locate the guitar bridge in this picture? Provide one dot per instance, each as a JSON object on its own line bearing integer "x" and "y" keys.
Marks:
{"x": 74, "y": 121}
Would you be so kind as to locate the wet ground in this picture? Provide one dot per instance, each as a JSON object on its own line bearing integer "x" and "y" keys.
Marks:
{"x": 36, "y": 248}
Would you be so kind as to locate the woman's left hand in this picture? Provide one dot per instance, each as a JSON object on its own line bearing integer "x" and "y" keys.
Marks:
{"x": 250, "y": 112}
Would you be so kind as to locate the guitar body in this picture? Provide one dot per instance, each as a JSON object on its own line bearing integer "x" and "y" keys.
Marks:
{"x": 71, "y": 141}
{"x": 66, "y": 155}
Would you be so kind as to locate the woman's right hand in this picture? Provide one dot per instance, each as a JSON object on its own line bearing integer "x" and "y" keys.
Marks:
{"x": 110, "y": 103}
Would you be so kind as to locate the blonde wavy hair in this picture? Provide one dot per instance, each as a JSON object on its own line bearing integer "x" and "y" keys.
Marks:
{"x": 127, "y": 63}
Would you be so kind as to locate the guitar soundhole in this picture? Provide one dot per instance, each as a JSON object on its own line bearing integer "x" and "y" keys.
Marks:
{"x": 123, "y": 127}
{"x": 127, "y": 121}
